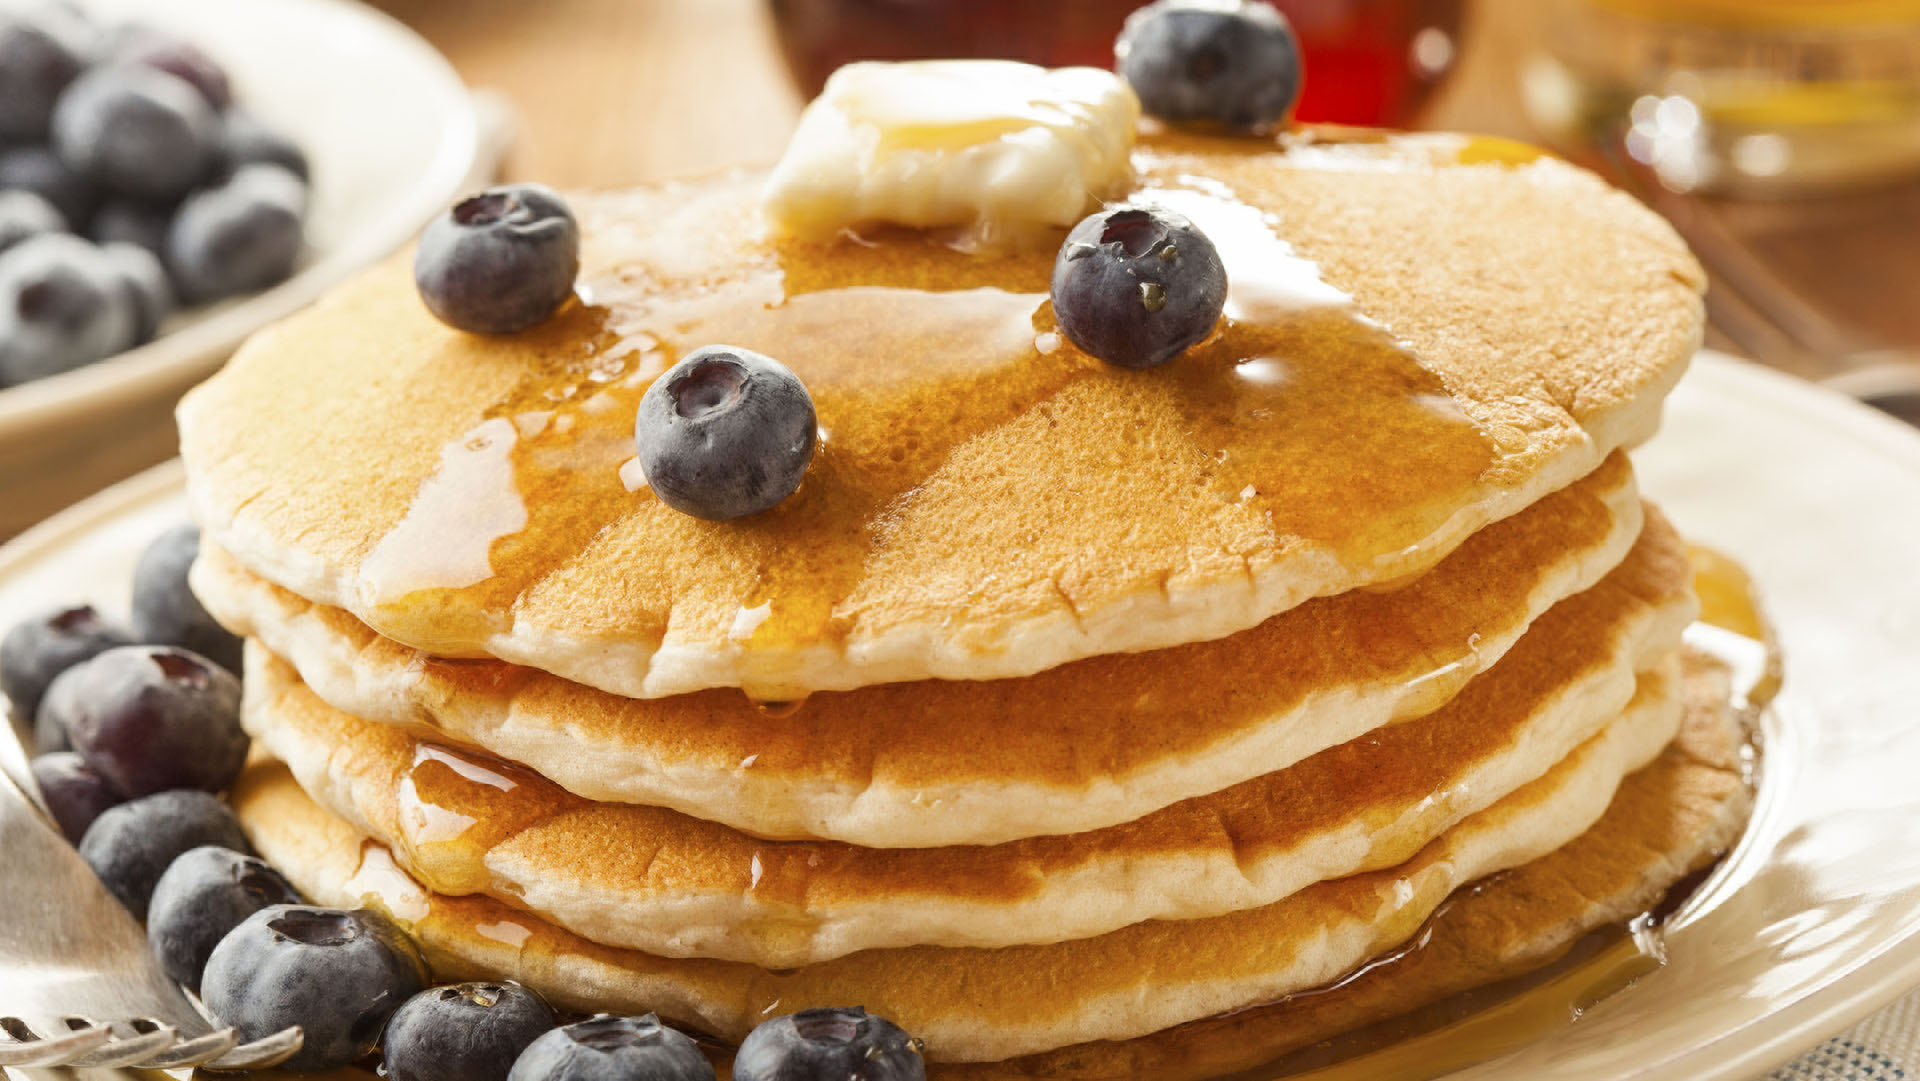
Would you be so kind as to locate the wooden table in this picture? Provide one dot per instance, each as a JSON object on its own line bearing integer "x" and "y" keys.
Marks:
{"x": 611, "y": 92}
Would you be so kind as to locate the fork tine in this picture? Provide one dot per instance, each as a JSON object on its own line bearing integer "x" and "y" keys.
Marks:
{"x": 76, "y": 954}
{"x": 269, "y": 1051}
{"x": 193, "y": 1052}
{"x": 130, "y": 1049}
{"x": 50, "y": 1050}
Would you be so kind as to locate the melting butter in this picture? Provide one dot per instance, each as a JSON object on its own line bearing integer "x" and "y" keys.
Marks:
{"x": 1266, "y": 278}
{"x": 992, "y": 148}
{"x": 421, "y": 553}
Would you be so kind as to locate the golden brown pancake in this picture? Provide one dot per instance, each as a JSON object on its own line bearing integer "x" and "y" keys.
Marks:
{"x": 1081, "y": 747}
{"x": 657, "y": 880}
{"x": 974, "y": 1004}
{"x": 1673, "y": 818}
{"x": 987, "y": 502}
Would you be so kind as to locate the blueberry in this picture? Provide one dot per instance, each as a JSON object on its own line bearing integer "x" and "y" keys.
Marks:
{"x": 144, "y": 281}
{"x": 40, "y": 171}
{"x": 38, "y": 58}
{"x": 137, "y": 130}
{"x": 1136, "y": 286}
{"x": 128, "y": 221}
{"x": 246, "y": 141}
{"x": 499, "y": 262}
{"x": 166, "y": 612}
{"x": 838, "y": 1043}
{"x": 61, "y": 307}
{"x": 340, "y": 975}
{"x": 725, "y": 433}
{"x": 238, "y": 237}
{"x": 25, "y": 214}
{"x": 183, "y": 60}
{"x": 468, "y": 1032}
{"x": 36, "y": 651}
{"x": 74, "y": 794}
{"x": 153, "y": 718}
{"x": 132, "y": 845}
{"x": 613, "y": 1049}
{"x": 205, "y": 893}
{"x": 1232, "y": 65}
{"x": 53, "y": 720}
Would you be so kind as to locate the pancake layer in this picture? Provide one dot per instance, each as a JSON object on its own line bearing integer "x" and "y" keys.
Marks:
{"x": 973, "y": 1004}
{"x": 1082, "y": 747}
{"x": 998, "y": 506}
{"x": 1671, "y": 819}
{"x": 657, "y": 880}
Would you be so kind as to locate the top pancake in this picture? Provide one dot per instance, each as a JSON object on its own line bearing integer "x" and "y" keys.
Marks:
{"x": 987, "y": 502}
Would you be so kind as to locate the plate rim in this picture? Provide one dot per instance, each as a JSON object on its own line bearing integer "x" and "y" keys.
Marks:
{"x": 1878, "y": 979}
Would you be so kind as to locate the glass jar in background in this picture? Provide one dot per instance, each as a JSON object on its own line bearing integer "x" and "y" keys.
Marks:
{"x": 1368, "y": 61}
{"x": 1751, "y": 97}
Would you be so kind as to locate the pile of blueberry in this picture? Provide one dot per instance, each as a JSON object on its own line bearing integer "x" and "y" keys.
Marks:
{"x": 137, "y": 732}
{"x": 130, "y": 184}
{"x": 126, "y": 716}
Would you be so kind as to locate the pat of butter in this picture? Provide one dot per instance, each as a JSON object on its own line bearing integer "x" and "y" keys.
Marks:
{"x": 991, "y": 147}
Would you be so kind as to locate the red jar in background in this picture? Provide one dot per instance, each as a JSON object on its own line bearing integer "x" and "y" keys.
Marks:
{"x": 1368, "y": 61}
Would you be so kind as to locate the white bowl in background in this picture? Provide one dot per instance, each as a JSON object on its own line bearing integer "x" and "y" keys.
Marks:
{"x": 392, "y": 136}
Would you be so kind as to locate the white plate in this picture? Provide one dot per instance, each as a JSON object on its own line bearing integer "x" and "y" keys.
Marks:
{"x": 392, "y": 137}
{"x": 1814, "y": 921}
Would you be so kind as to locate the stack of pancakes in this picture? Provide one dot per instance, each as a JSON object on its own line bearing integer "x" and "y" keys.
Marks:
{"x": 1062, "y": 705}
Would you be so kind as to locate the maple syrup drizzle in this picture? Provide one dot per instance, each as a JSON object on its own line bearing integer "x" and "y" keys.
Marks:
{"x": 1734, "y": 628}
{"x": 1300, "y": 410}
{"x": 380, "y": 880}
{"x": 454, "y": 807}
{"x": 1480, "y": 1024}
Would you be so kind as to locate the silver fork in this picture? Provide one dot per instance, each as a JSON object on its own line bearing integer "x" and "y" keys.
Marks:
{"x": 78, "y": 986}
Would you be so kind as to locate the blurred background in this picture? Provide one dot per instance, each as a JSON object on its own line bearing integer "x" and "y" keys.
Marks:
{"x": 1782, "y": 138}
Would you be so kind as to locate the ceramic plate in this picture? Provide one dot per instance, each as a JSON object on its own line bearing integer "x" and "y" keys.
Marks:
{"x": 1814, "y": 921}
{"x": 392, "y": 136}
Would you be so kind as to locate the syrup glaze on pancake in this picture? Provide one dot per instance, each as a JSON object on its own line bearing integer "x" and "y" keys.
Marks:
{"x": 657, "y": 880}
{"x": 987, "y": 501}
{"x": 1076, "y": 748}
{"x": 1669, "y": 820}
{"x": 974, "y": 1004}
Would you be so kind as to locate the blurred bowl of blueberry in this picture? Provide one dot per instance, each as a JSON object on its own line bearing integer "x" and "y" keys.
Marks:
{"x": 174, "y": 177}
